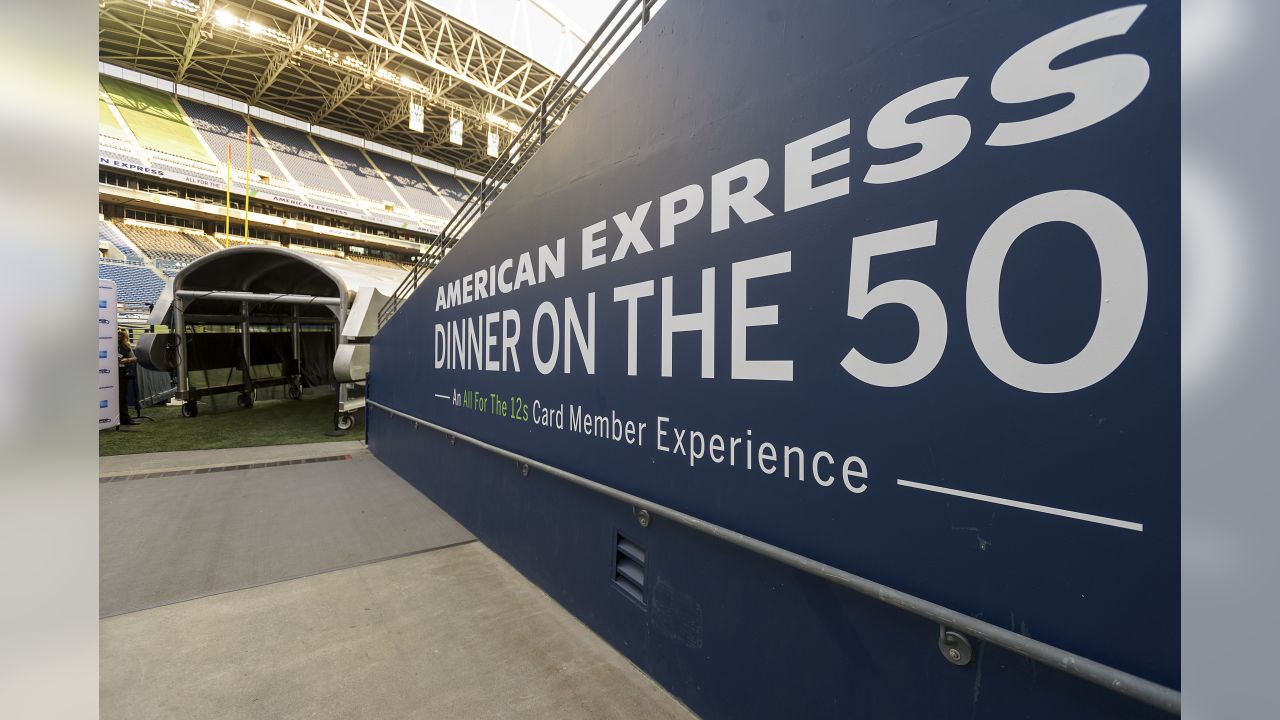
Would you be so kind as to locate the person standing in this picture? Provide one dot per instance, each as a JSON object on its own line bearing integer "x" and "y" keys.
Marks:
{"x": 128, "y": 373}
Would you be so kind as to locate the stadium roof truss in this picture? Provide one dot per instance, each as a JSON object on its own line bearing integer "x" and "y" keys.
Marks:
{"x": 349, "y": 65}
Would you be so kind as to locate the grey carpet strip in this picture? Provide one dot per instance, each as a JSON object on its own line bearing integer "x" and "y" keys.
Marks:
{"x": 223, "y": 468}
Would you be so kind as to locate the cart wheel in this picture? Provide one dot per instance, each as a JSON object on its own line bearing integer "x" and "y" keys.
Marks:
{"x": 190, "y": 409}
{"x": 344, "y": 420}
{"x": 295, "y": 391}
{"x": 244, "y": 400}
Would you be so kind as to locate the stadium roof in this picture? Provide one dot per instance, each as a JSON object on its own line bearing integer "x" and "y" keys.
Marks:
{"x": 350, "y": 65}
{"x": 537, "y": 28}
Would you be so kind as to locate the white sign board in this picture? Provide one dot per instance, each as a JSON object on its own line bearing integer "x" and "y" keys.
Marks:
{"x": 455, "y": 131}
{"x": 108, "y": 357}
{"x": 416, "y": 116}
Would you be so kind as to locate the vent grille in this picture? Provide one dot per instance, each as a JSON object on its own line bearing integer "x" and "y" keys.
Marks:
{"x": 628, "y": 569}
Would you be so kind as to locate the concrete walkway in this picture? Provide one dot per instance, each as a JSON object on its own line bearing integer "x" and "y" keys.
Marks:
{"x": 167, "y": 539}
{"x": 223, "y": 601}
{"x": 454, "y": 633}
{"x": 115, "y": 465}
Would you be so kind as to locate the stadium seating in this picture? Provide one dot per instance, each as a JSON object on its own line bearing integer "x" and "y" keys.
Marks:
{"x": 134, "y": 283}
{"x": 327, "y": 252}
{"x": 448, "y": 186}
{"x": 380, "y": 262}
{"x": 359, "y": 174}
{"x": 169, "y": 248}
{"x": 180, "y": 133}
{"x": 295, "y": 151}
{"x": 416, "y": 191}
{"x": 109, "y": 233}
{"x": 155, "y": 120}
{"x": 107, "y": 123}
{"x": 219, "y": 127}
{"x": 114, "y": 154}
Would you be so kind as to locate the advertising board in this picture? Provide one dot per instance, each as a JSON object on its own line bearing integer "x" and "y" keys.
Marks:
{"x": 895, "y": 287}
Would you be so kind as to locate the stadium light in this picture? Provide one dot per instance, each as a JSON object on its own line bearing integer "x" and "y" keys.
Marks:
{"x": 225, "y": 18}
{"x": 502, "y": 122}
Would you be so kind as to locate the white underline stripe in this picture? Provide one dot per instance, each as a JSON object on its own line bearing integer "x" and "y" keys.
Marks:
{"x": 1025, "y": 505}
{"x": 443, "y": 397}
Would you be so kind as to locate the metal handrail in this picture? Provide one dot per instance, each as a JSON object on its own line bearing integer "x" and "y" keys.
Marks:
{"x": 555, "y": 105}
{"x": 1119, "y": 681}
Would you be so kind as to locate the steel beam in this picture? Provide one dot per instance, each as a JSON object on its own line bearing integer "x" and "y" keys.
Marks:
{"x": 351, "y": 83}
{"x": 301, "y": 30}
{"x": 237, "y": 296}
{"x": 195, "y": 34}
{"x": 331, "y": 13}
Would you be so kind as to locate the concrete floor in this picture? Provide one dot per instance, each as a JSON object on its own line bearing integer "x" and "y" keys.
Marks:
{"x": 191, "y": 459}
{"x": 167, "y": 539}
{"x": 442, "y": 630}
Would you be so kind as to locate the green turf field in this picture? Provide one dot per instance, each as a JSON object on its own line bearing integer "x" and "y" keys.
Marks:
{"x": 269, "y": 422}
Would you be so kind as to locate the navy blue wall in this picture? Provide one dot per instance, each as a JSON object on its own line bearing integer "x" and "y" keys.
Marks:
{"x": 709, "y": 85}
{"x": 729, "y": 633}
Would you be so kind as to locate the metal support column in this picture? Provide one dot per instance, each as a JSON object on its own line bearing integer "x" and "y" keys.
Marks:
{"x": 247, "y": 379}
{"x": 180, "y": 346}
{"x": 341, "y": 312}
{"x": 295, "y": 341}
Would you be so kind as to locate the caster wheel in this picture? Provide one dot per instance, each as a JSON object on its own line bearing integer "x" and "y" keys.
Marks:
{"x": 295, "y": 392}
{"x": 190, "y": 409}
{"x": 344, "y": 421}
{"x": 244, "y": 400}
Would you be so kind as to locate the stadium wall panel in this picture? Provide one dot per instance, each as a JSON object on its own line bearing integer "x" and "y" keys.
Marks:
{"x": 706, "y": 87}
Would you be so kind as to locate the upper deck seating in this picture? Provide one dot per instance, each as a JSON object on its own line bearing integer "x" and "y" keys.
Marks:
{"x": 356, "y": 170}
{"x": 294, "y": 150}
{"x": 183, "y": 133}
{"x": 409, "y": 182}
{"x": 155, "y": 120}
{"x": 221, "y": 127}
{"x": 107, "y": 123}
{"x": 448, "y": 186}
